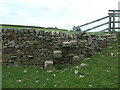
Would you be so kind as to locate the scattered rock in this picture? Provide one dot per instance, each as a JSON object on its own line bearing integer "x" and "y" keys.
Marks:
{"x": 118, "y": 53}
{"x": 90, "y": 85}
{"x": 25, "y": 71}
{"x": 83, "y": 65}
{"x": 77, "y": 67}
{"x": 82, "y": 76}
{"x": 107, "y": 71}
{"x": 54, "y": 75}
{"x": 55, "y": 85}
{"x": 76, "y": 59}
{"x": 49, "y": 71}
{"x": 110, "y": 47}
{"x": 19, "y": 80}
{"x": 65, "y": 81}
{"x": 36, "y": 71}
{"x": 76, "y": 71}
{"x": 37, "y": 81}
{"x": 112, "y": 54}
{"x": 47, "y": 79}
{"x": 44, "y": 84}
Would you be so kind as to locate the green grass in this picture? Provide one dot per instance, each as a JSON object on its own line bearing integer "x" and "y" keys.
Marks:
{"x": 50, "y": 30}
{"x": 102, "y": 72}
{"x": 98, "y": 33}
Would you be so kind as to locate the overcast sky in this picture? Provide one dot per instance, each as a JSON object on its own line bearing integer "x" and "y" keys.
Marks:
{"x": 54, "y": 13}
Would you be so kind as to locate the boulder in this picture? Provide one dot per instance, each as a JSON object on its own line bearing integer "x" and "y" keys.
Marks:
{"x": 76, "y": 59}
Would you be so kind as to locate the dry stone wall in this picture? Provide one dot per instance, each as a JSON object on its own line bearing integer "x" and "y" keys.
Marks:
{"x": 45, "y": 49}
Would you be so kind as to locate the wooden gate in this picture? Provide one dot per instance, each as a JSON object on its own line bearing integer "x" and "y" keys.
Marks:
{"x": 112, "y": 14}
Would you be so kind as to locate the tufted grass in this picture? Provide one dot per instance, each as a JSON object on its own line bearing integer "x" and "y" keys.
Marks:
{"x": 101, "y": 72}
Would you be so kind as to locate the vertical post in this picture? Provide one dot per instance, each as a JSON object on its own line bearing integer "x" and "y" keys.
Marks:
{"x": 1, "y": 31}
{"x": 119, "y": 17}
{"x": 109, "y": 23}
{"x": 113, "y": 22}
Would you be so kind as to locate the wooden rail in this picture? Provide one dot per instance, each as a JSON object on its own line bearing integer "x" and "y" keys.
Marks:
{"x": 96, "y": 26}
{"x": 93, "y": 21}
{"x": 114, "y": 10}
{"x": 111, "y": 22}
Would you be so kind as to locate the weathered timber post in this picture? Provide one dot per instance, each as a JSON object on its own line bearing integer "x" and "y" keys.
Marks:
{"x": 113, "y": 29}
{"x": 109, "y": 22}
{"x": 119, "y": 17}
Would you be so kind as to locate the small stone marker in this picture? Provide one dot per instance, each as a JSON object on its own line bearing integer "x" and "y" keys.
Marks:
{"x": 48, "y": 64}
{"x": 57, "y": 54}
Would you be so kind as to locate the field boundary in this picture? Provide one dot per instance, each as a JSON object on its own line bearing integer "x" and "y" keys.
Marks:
{"x": 27, "y": 26}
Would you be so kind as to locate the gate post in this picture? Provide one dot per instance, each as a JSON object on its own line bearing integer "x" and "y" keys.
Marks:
{"x": 109, "y": 27}
{"x": 113, "y": 30}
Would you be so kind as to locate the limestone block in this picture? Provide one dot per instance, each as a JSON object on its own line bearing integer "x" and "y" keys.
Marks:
{"x": 17, "y": 46}
{"x": 76, "y": 59}
{"x": 66, "y": 44}
{"x": 11, "y": 46}
{"x": 48, "y": 38}
{"x": 48, "y": 64}
{"x": 13, "y": 57}
{"x": 30, "y": 56}
{"x": 10, "y": 61}
{"x": 57, "y": 54}
{"x": 74, "y": 42}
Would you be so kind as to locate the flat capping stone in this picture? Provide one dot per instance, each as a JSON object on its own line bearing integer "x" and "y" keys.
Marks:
{"x": 66, "y": 44}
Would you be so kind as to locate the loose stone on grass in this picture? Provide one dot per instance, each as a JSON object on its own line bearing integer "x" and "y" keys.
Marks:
{"x": 76, "y": 59}
{"x": 83, "y": 65}
{"x": 48, "y": 64}
{"x": 76, "y": 72}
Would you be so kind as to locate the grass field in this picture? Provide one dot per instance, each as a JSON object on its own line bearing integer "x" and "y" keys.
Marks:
{"x": 101, "y": 72}
{"x": 50, "y": 30}
{"x": 15, "y": 27}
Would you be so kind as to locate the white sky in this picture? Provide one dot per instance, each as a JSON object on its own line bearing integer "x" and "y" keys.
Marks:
{"x": 54, "y": 13}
